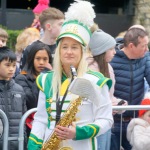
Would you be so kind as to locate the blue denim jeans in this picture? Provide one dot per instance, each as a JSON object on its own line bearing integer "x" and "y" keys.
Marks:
{"x": 115, "y": 137}
{"x": 103, "y": 141}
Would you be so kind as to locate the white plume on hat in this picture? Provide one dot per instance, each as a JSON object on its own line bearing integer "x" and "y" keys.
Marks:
{"x": 78, "y": 20}
{"x": 81, "y": 11}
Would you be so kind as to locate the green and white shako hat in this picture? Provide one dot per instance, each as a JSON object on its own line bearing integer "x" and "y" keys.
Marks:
{"x": 78, "y": 20}
{"x": 77, "y": 31}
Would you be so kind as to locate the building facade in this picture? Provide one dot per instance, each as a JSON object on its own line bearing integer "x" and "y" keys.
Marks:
{"x": 111, "y": 16}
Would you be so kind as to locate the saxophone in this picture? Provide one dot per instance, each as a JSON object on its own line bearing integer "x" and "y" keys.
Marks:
{"x": 68, "y": 117}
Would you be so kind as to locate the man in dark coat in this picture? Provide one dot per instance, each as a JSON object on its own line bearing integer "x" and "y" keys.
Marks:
{"x": 131, "y": 66}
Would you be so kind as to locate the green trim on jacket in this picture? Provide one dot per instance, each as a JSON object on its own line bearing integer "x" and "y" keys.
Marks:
{"x": 86, "y": 132}
{"x": 34, "y": 142}
{"x": 102, "y": 79}
{"x": 44, "y": 83}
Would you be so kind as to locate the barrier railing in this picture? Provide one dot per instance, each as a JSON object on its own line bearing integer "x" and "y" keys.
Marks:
{"x": 131, "y": 107}
{"x": 6, "y": 129}
{"x": 21, "y": 128}
{"x": 22, "y": 124}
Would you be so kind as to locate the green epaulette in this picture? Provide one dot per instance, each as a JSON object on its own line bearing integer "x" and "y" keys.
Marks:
{"x": 102, "y": 79}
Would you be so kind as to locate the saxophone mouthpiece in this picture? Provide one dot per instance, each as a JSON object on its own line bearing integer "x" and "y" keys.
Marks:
{"x": 73, "y": 71}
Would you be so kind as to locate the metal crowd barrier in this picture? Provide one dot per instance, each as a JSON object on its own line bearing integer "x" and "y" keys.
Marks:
{"x": 21, "y": 128}
{"x": 5, "y": 129}
{"x": 22, "y": 124}
{"x": 128, "y": 107}
{"x": 20, "y": 137}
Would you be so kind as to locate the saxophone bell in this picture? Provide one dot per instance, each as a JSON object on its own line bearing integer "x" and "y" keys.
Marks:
{"x": 66, "y": 148}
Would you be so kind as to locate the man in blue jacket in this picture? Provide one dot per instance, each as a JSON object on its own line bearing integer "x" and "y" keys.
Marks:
{"x": 131, "y": 65}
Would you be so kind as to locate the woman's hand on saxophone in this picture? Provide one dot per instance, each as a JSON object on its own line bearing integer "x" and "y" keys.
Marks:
{"x": 65, "y": 133}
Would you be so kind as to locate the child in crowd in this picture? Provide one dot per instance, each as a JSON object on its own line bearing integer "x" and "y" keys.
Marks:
{"x": 38, "y": 59}
{"x": 12, "y": 97}
{"x": 3, "y": 37}
{"x": 51, "y": 21}
{"x": 25, "y": 38}
{"x": 138, "y": 130}
{"x": 3, "y": 41}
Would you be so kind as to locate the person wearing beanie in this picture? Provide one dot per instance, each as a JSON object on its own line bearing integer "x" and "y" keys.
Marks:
{"x": 69, "y": 125}
{"x": 42, "y": 5}
{"x": 138, "y": 130}
{"x": 102, "y": 50}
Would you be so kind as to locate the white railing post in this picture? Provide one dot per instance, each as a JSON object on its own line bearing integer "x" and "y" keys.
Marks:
{"x": 21, "y": 128}
{"x": 6, "y": 130}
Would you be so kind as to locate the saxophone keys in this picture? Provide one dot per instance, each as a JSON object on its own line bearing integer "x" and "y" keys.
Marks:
{"x": 50, "y": 100}
{"x": 51, "y": 118}
{"x": 49, "y": 110}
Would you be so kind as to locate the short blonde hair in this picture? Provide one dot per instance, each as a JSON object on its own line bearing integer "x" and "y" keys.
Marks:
{"x": 3, "y": 33}
{"x": 25, "y": 38}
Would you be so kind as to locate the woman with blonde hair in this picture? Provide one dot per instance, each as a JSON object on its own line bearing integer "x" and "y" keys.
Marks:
{"x": 25, "y": 38}
{"x": 56, "y": 98}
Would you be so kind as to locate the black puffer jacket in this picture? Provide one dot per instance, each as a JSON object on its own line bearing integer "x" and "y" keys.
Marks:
{"x": 27, "y": 81}
{"x": 13, "y": 103}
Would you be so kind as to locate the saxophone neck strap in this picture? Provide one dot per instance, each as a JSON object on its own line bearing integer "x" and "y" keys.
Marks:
{"x": 59, "y": 105}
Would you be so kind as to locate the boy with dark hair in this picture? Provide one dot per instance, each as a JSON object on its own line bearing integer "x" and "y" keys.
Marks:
{"x": 3, "y": 42}
{"x": 51, "y": 21}
{"x": 12, "y": 97}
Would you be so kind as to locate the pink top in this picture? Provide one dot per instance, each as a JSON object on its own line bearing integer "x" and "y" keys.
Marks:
{"x": 94, "y": 66}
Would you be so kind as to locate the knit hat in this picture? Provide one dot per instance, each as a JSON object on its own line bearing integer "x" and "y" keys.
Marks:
{"x": 78, "y": 20}
{"x": 101, "y": 42}
{"x": 145, "y": 101}
{"x": 42, "y": 5}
